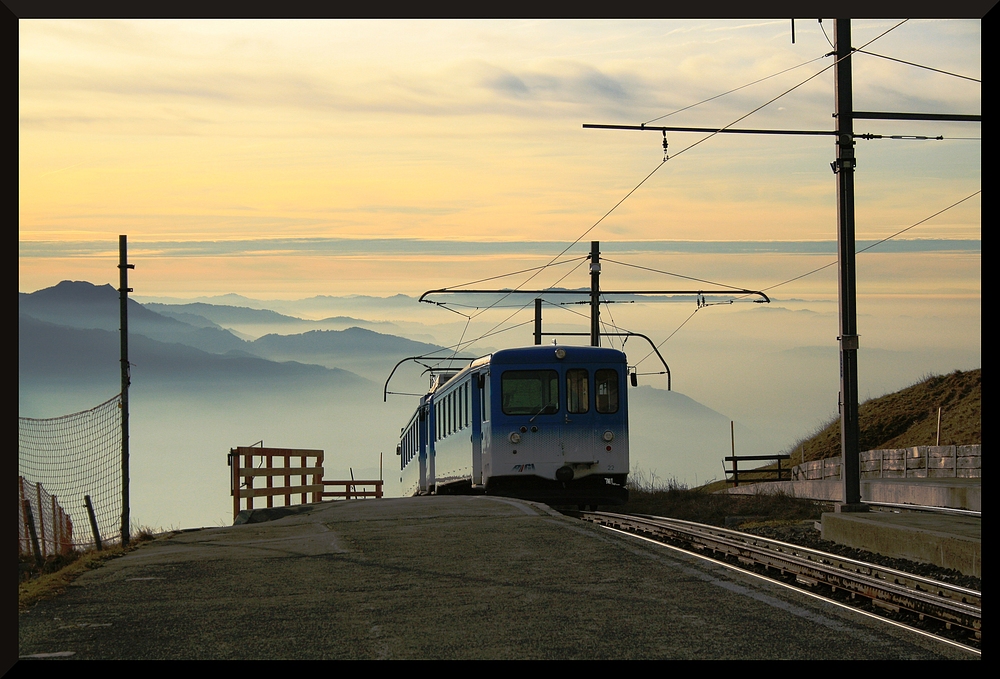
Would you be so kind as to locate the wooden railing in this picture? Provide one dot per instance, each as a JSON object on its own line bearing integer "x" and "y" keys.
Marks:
{"x": 351, "y": 490}
{"x": 251, "y": 463}
{"x": 758, "y": 474}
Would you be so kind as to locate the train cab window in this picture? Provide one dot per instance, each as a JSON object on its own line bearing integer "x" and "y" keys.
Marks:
{"x": 529, "y": 392}
{"x": 577, "y": 396}
{"x": 606, "y": 383}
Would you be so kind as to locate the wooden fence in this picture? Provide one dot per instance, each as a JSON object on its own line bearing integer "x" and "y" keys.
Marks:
{"x": 53, "y": 527}
{"x": 756, "y": 475}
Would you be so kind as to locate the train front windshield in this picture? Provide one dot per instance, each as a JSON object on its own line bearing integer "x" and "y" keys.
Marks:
{"x": 530, "y": 392}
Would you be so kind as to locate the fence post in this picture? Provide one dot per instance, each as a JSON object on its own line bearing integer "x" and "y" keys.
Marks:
{"x": 234, "y": 461}
{"x": 304, "y": 480}
{"x": 24, "y": 524}
{"x": 248, "y": 458}
{"x": 55, "y": 527}
{"x": 41, "y": 516}
{"x": 270, "y": 481}
{"x": 39, "y": 561}
{"x": 288, "y": 480}
{"x": 318, "y": 479}
{"x": 732, "y": 440}
{"x": 93, "y": 522}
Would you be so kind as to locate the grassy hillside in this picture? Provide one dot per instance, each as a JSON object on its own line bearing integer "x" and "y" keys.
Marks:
{"x": 909, "y": 418}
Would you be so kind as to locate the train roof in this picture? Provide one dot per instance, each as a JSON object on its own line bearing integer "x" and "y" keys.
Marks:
{"x": 545, "y": 353}
{"x": 537, "y": 354}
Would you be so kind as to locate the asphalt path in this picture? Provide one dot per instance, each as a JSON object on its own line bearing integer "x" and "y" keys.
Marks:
{"x": 439, "y": 578}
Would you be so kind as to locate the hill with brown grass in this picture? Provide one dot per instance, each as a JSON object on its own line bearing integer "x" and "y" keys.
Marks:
{"x": 909, "y": 418}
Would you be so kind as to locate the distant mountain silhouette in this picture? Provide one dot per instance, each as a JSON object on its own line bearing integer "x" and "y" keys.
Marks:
{"x": 222, "y": 314}
{"x": 349, "y": 341}
{"x": 370, "y": 353}
{"x": 47, "y": 349}
{"x": 239, "y": 319}
{"x": 50, "y": 353}
{"x": 79, "y": 304}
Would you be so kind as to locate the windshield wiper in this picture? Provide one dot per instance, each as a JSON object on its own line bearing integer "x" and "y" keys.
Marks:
{"x": 544, "y": 408}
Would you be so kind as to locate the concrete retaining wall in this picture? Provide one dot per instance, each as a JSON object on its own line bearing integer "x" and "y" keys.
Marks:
{"x": 953, "y": 493}
{"x": 900, "y": 463}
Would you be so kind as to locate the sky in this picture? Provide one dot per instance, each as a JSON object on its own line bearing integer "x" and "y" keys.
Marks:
{"x": 238, "y": 156}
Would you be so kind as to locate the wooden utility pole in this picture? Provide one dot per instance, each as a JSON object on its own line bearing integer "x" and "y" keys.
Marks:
{"x": 123, "y": 290}
{"x": 844, "y": 166}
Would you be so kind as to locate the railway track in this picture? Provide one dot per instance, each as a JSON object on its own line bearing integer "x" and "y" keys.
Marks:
{"x": 950, "y": 613}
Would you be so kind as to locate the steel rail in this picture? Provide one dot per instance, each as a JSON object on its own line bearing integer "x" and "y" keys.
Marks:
{"x": 885, "y": 587}
{"x": 927, "y": 509}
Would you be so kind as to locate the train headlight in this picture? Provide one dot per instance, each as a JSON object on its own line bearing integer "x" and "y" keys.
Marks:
{"x": 560, "y": 353}
{"x": 609, "y": 436}
{"x": 515, "y": 437}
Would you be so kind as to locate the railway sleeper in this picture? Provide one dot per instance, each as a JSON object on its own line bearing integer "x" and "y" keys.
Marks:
{"x": 885, "y": 605}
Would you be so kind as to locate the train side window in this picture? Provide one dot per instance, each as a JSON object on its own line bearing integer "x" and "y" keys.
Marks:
{"x": 577, "y": 396}
{"x": 606, "y": 383}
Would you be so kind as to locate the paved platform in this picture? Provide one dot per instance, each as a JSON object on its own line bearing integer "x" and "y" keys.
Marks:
{"x": 943, "y": 540}
{"x": 441, "y": 577}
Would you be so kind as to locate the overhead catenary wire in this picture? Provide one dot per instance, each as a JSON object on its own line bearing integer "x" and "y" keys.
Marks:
{"x": 635, "y": 188}
{"x": 829, "y": 264}
{"x": 514, "y": 273}
{"x": 646, "y": 178}
{"x": 697, "y": 309}
{"x": 910, "y": 63}
{"x": 737, "y": 89}
{"x": 519, "y": 310}
{"x": 887, "y": 238}
{"x": 669, "y": 273}
{"x": 823, "y": 28}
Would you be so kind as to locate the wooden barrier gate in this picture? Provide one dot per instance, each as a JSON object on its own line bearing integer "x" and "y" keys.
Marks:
{"x": 244, "y": 472}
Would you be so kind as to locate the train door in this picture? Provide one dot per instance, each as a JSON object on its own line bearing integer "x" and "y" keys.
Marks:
{"x": 476, "y": 416}
{"x": 486, "y": 418}
{"x": 423, "y": 438}
{"x": 433, "y": 431}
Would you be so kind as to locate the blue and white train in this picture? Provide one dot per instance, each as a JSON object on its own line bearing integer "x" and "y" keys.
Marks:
{"x": 543, "y": 423}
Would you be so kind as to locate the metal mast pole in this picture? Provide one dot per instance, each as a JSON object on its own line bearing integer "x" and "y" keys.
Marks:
{"x": 595, "y": 293}
{"x": 847, "y": 280}
{"x": 123, "y": 290}
{"x": 538, "y": 320}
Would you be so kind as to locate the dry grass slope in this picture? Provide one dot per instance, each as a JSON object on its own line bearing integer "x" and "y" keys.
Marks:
{"x": 909, "y": 418}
